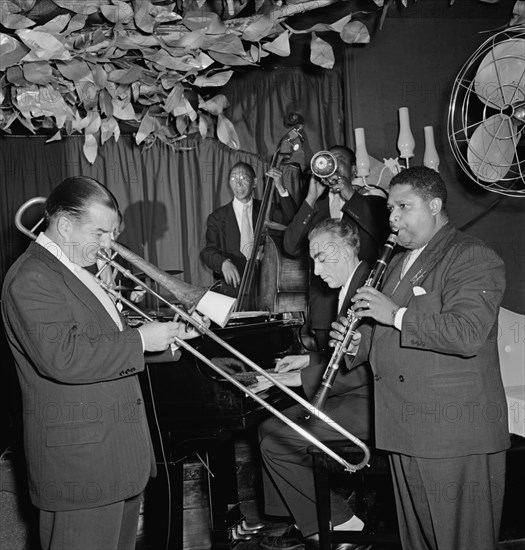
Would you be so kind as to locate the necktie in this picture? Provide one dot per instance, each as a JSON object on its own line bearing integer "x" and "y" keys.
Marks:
{"x": 89, "y": 280}
{"x": 336, "y": 203}
{"x": 246, "y": 232}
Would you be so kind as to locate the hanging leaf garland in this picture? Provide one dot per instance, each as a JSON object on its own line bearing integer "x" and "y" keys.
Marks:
{"x": 141, "y": 63}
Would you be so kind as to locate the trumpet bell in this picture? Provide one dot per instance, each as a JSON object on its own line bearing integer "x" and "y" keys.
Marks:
{"x": 323, "y": 164}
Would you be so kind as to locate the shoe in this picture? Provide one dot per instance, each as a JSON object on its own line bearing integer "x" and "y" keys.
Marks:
{"x": 291, "y": 539}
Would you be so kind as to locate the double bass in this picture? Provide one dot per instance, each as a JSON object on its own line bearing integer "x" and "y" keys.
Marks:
{"x": 278, "y": 282}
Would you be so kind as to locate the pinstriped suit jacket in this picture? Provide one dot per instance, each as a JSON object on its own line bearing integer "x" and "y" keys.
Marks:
{"x": 86, "y": 436}
{"x": 437, "y": 383}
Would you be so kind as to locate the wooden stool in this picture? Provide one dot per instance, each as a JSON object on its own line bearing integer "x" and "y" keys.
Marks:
{"x": 379, "y": 516}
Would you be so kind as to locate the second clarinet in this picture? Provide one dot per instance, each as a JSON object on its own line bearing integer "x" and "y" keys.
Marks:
{"x": 374, "y": 279}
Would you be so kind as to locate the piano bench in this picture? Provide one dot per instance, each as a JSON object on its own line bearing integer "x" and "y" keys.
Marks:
{"x": 369, "y": 491}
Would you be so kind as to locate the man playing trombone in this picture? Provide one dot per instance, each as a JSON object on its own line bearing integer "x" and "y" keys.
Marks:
{"x": 87, "y": 443}
{"x": 288, "y": 478}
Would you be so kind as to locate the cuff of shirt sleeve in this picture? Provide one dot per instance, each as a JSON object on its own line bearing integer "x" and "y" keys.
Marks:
{"x": 284, "y": 193}
{"x": 398, "y": 321}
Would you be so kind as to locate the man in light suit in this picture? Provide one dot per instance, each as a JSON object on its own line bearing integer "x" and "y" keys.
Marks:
{"x": 439, "y": 400}
{"x": 87, "y": 443}
{"x": 227, "y": 248}
{"x": 337, "y": 200}
{"x": 288, "y": 482}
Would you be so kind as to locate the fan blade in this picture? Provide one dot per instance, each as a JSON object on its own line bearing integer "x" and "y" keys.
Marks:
{"x": 500, "y": 78}
{"x": 491, "y": 148}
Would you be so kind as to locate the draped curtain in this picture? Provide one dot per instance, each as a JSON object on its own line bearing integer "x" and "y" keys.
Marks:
{"x": 166, "y": 195}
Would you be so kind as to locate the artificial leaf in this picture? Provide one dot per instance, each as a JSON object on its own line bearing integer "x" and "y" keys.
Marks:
{"x": 90, "y": 148}
{"x": 38, "y": 72}
{"x": 321, "y": 53}
{"x": 192, "y": 40}
{"x": 86, "y": 7}
{"x": 181, "y": 123}
{"x": 77, "y": 22}
{"x": 11, "y": 51}
{"x": 75, "y": 70}
{"x": 279, "y": 46}
{"x": 55, "y": 137}
{"x": 123, "y": 110}
{"x": 15, "y": 75}
{"x": 228, "y": 43}
{"x": 109, "y": 127}
{"x": 325, "y": 27}
{"x": 105, "y": 103}
{"x": 144, "y": 21}
{"x": 126, "y": 76}
{"x": 215, "y": 105}
{"x": 226, "y": 132}
{"x": 174, "y": 98}
{"x": 355, "y": 32}
{"x": 203, "y": 61}
{"x": 10, "y": 17}
{"x": 119, "y": 12}
{"x": 204, "y": 124}
{"x": 166, "y": 60}
{"x": 43, "y": 46}
{"x": 87, "y": 92}
{"x": 93, "y": 123}
{"x": 56, "y": 25}
{"x": 230, "y": 59}
{"x": 217, "y": 79}
{"x": 148, "y": 125}
{"x": 259, "y": 28}
{"x": 254, "y": 52}
{"x": 25, "y": 5}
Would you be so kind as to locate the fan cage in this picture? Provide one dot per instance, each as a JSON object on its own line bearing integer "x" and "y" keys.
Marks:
{"x": 467, "y": 112}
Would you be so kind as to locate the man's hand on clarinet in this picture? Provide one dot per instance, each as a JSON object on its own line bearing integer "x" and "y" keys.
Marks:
{"x": 338, "y": 333}
{"x": 369, "y": 302}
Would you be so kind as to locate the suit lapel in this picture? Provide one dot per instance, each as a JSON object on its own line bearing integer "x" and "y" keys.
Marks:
{"x": 232, "y": 227}
{"x": 75, "y": 285}
{"x": 360, "y": 276}
{"x": 402, "y": 293}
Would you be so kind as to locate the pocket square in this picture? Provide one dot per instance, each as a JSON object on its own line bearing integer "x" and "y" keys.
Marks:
{"x": 419, "y": 291}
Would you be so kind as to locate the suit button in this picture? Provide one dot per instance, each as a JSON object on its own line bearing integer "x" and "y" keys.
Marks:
{"x": 377, "y": 377}
{"x": 401, "y": 378}
{"x": 139, "y": 401}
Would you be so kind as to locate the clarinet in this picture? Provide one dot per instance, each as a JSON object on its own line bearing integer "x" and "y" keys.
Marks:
{"x": 374, "y": 279}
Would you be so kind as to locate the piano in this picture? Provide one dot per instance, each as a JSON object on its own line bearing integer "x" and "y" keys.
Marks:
{"x": 197, "y": 410}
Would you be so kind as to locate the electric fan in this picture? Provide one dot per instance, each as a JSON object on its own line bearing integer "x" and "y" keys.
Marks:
{"x": 486, "y": 118}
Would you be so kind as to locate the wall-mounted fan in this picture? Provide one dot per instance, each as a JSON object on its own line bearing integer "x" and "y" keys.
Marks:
{"x": 486, "y": 118}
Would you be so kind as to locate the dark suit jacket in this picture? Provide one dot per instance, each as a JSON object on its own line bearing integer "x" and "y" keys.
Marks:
{"x": 349, "y": 383}
{"x": 86, "y": 436}
{"x": 438, "y": 388}
{"x": 223, "y": 238}
{"x": 370, "y": 215}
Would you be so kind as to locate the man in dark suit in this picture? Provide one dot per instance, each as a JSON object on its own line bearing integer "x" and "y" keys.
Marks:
{"x": 87, "y": 443}
{"x": 337, "y": 199}
{"x": 288, "y": 483}
{"x": 440, "y": 406}
{"x": 229, "y": 231}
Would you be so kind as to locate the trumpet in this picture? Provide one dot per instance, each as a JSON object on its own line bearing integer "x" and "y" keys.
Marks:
{"x": 191, "y": 297}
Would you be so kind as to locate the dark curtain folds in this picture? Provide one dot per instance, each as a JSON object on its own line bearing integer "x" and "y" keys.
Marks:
{"x": 260, "y": 99}
{"x": 165, "y": 195}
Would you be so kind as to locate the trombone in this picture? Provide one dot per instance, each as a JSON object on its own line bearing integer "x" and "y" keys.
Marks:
{"x": 190, "y": 296}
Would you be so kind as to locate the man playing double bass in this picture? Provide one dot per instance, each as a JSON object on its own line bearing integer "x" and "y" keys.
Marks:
{"x": 230, "y": 228}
